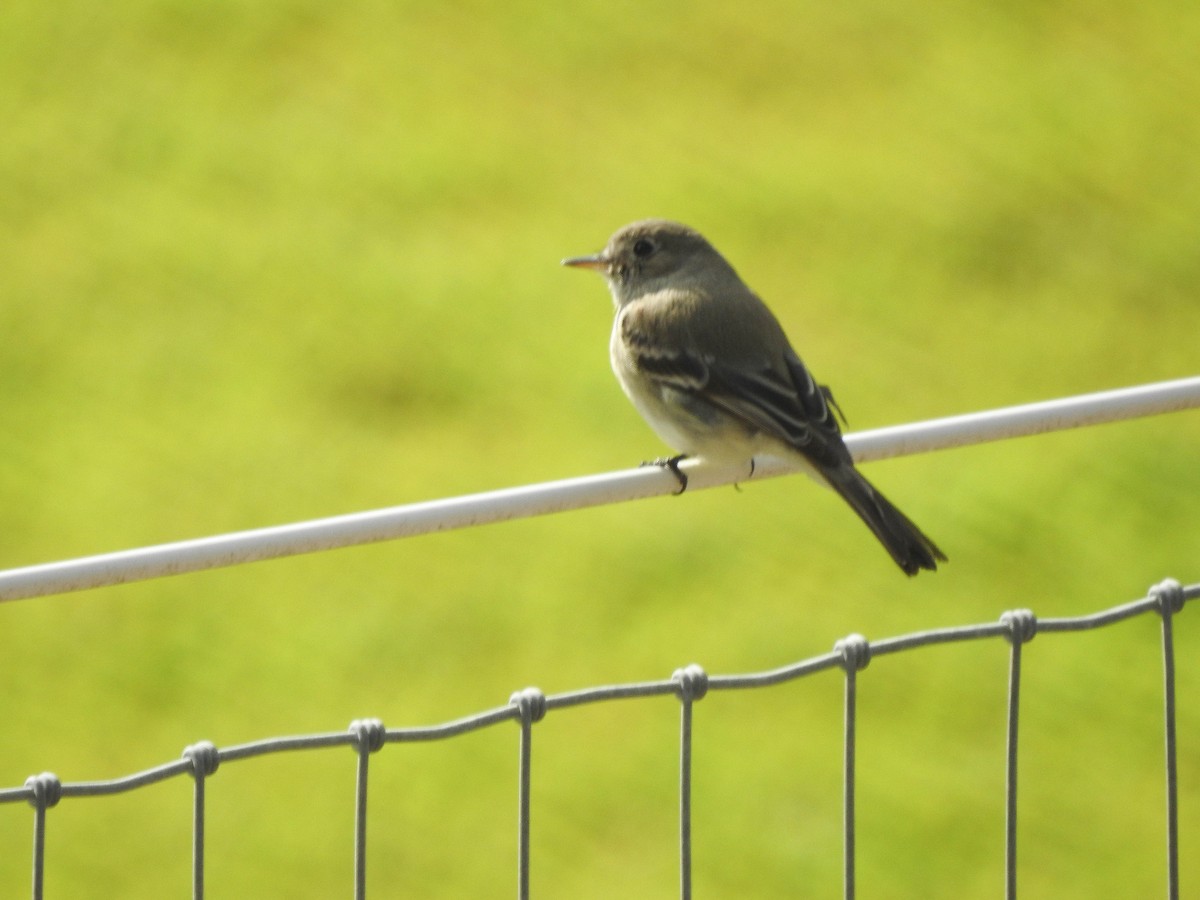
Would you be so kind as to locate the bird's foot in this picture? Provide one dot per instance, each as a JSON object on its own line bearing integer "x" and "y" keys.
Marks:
{"x": 737, "y": 485}
{"x": 672, "y": 463}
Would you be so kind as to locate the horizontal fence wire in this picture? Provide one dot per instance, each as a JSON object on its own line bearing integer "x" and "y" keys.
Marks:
{"x": 577, "y": 493}
{"x": 689, "y": 684}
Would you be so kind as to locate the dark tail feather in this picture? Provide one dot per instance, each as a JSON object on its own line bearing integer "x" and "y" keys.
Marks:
{"x": 906, "y": 543}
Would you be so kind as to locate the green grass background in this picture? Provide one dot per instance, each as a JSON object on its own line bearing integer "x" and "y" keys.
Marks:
{"x": 266, "y": 261}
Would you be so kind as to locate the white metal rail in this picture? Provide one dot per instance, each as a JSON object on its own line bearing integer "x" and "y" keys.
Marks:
{"x": 576, "y": 493}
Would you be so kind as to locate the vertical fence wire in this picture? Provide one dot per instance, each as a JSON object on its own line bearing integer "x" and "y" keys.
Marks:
{"x": 848, "y": 761}
{"x": 1022, "y": 626}
{"x": 856, "y": 653}
{"x": 368, "y": 737}
{"x": 530, "y": 704}
{"x": 204, "y": 760}
{"x": 523, "y": 811}
{"x": 360, "y": 825}
{"x": 685, "y": 800}
{"x": 46, "y": 792}
{"x": 1010, "y": 773}
{"x": 1172, "y": 772}
{"x": 39, "y": 850}
{"x": 198, "y": 838}
{"x": 1170, "y": 597}
{"x": 692, "y": 685}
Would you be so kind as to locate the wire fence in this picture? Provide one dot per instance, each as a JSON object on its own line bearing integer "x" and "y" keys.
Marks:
{"x": 690, "y": 684}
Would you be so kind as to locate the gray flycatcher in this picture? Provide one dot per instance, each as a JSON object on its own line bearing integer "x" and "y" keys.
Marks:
{"x": 710, "y": 369}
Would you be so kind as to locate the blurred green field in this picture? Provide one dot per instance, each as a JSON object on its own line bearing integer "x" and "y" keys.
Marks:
{"x": 261, "y": 262}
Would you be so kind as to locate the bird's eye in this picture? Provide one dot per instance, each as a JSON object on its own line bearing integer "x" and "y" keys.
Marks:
{"x": 643, "y": 248}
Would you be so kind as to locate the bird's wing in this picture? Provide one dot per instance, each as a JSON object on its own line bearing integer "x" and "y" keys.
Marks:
{"x": 792, "y": 407}
{"x": 784, "y": 402}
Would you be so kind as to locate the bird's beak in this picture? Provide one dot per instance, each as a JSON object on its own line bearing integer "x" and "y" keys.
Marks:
{"x": 597, "y": 261}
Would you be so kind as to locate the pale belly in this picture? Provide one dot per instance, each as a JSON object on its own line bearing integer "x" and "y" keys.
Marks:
{"x": 688, "y": 423}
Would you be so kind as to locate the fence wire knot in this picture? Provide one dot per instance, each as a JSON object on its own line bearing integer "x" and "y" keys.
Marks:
{"x": 47, "y": 790}
{"x": 1169, "y": 596}
{"x": 855, "y": 651}
{"x": 691, "y": 683}
{"x": 204, "y": 758}
{"x": 530, "y": 703}
{"x": 1021, "y": 625}
{"x": 368, "y": 733}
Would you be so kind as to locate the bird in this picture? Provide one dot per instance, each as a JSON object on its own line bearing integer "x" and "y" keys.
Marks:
{"x": 712, "y": 372}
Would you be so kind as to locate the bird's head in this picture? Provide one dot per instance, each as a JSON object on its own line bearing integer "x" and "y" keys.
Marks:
{"x": 651, "y": 255}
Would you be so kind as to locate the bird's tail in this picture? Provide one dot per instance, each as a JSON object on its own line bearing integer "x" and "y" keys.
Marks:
{"x": 906, "y": 543}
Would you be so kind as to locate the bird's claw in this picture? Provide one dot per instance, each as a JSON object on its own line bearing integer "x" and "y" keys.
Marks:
{"x": 737, "y": 485}
{"x": 672, "y": 463}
